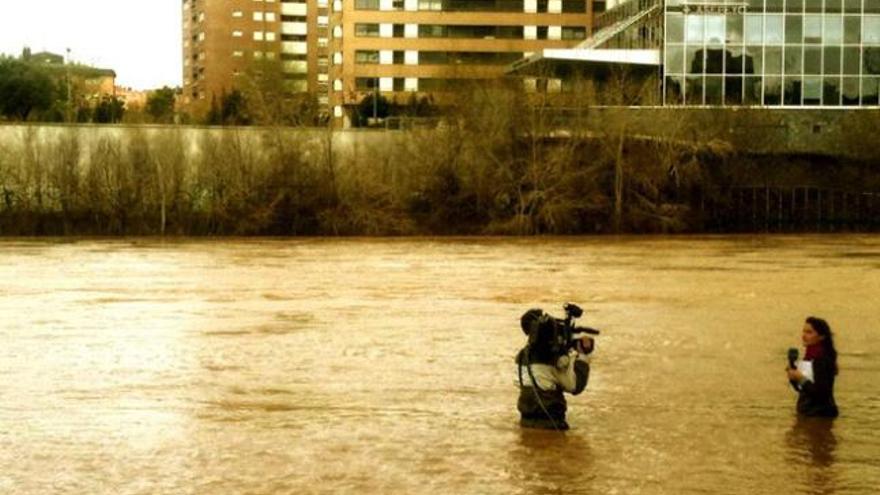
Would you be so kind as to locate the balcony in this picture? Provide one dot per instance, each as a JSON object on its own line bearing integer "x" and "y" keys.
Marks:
{"x": 294, "y": 28}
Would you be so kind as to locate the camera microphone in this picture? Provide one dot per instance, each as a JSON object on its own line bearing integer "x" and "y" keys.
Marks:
{"x": 580, "y": 332}
{"x": 792, "y": 357}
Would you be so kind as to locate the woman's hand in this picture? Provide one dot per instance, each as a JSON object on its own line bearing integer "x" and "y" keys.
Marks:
{"x": 585, "y": 345}
{"x": 795, "y": 374}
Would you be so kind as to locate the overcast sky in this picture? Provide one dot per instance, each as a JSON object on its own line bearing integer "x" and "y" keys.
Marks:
{"x": 139, "y": 39}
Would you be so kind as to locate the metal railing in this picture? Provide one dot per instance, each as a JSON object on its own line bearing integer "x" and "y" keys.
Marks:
{"x": 617, "y": 20}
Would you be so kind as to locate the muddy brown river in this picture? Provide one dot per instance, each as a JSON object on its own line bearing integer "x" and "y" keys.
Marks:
{"x": 230, "y": 366}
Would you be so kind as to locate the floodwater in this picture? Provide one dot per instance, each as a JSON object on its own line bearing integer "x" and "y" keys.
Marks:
{"x": 233, "y": 366}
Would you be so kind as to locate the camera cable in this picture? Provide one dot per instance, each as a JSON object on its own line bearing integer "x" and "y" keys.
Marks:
{"x": 535, "y": 388}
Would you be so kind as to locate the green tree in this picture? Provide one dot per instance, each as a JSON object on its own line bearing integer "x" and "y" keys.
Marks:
{"x": 213, "y": 117}
{"x": 160, "y": 105}
{"x": 418, "y": 107}
{"x": 109, "y": 111}
{"x": 24, "y": 89}
{"x": 234, "y": 109}
{"x": 371, "y": 108}
{"x": 273, "y": 100}
{"x": 231, "y": 109}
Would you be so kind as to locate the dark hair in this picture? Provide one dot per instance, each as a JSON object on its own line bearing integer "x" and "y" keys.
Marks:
{"x": 823, "y": 329}
{"x": 541, "y": 330}
{"x": 529, "y": 320}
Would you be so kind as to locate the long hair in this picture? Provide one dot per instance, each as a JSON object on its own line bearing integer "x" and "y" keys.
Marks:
{"x": 823, "y": 329}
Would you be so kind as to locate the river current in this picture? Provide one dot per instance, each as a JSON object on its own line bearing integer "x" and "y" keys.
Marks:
{"x": 232, "y": 366}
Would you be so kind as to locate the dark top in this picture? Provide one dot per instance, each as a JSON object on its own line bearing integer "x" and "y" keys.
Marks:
{"x": 816, "y": 398}
{"x": 541, "y": 408}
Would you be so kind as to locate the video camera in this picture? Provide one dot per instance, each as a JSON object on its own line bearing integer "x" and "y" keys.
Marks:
{"x": 551, "y": 337}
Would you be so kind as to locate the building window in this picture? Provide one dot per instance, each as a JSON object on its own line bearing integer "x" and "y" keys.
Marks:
{"x": 871, "y": 29}
{"x": 366, "y": 4}
{"x": 258, "y": 36}
{"x": 574, "y": 6}
{"x": 433, "y": 58}
{"x": 269, "y": 16}
{"x": 366, "y": 30}
{"x": 430, "y": 5}
{"x": 258, "y": 16}
{"x": 237, "y": 34}
{"x": 574, "y": 33}
{"x": 270, "y": 36}
{"x": 468, "y": 58}
{"x": 237, "y": 14}
{"x": 238, "y": 53}
{"x": 366, "y": 83}
{"x": 432, "y": 31}
{"x": 366, "y": 57}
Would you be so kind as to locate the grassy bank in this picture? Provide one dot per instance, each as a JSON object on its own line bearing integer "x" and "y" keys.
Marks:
{"x": 505, "y": 171}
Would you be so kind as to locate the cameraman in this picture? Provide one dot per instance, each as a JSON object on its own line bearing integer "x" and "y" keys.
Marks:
{"x": 545, "y": 370}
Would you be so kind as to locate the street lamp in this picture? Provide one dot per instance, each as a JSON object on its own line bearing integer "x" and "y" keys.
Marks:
{"x": 69, "y": 102}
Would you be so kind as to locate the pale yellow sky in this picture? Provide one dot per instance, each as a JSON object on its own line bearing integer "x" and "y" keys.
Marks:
{"x": 139, "y": 39}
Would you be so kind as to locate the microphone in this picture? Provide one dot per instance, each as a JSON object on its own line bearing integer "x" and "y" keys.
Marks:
{"x": 792, "y": 357}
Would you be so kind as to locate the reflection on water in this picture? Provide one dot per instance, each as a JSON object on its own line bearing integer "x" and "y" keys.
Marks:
{"x": 543, "y": 461}
{"x": 811, "y": 443}
{"x": 386, "y": 366}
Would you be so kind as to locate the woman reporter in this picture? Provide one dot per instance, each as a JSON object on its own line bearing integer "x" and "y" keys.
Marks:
{"x": 814, "y": 377}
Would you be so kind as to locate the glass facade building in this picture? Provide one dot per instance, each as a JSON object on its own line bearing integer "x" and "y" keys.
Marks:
{"x": 772, "y": 52}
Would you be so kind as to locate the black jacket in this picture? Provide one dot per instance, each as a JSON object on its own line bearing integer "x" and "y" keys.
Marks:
{"x": 816, "y": 397}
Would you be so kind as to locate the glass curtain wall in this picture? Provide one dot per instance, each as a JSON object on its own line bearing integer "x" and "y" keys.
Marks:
{"x": 772, "y": 52}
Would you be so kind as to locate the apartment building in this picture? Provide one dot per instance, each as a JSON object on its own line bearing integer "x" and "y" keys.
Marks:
{"x": 223, "y": 40}
{"x": 90, "y": 83}
{"x": 404, "y": 47}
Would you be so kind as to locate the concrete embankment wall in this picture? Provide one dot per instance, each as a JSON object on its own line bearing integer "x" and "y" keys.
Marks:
{"x": 41, "y": 138}
{"x": 837, "y": 132}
